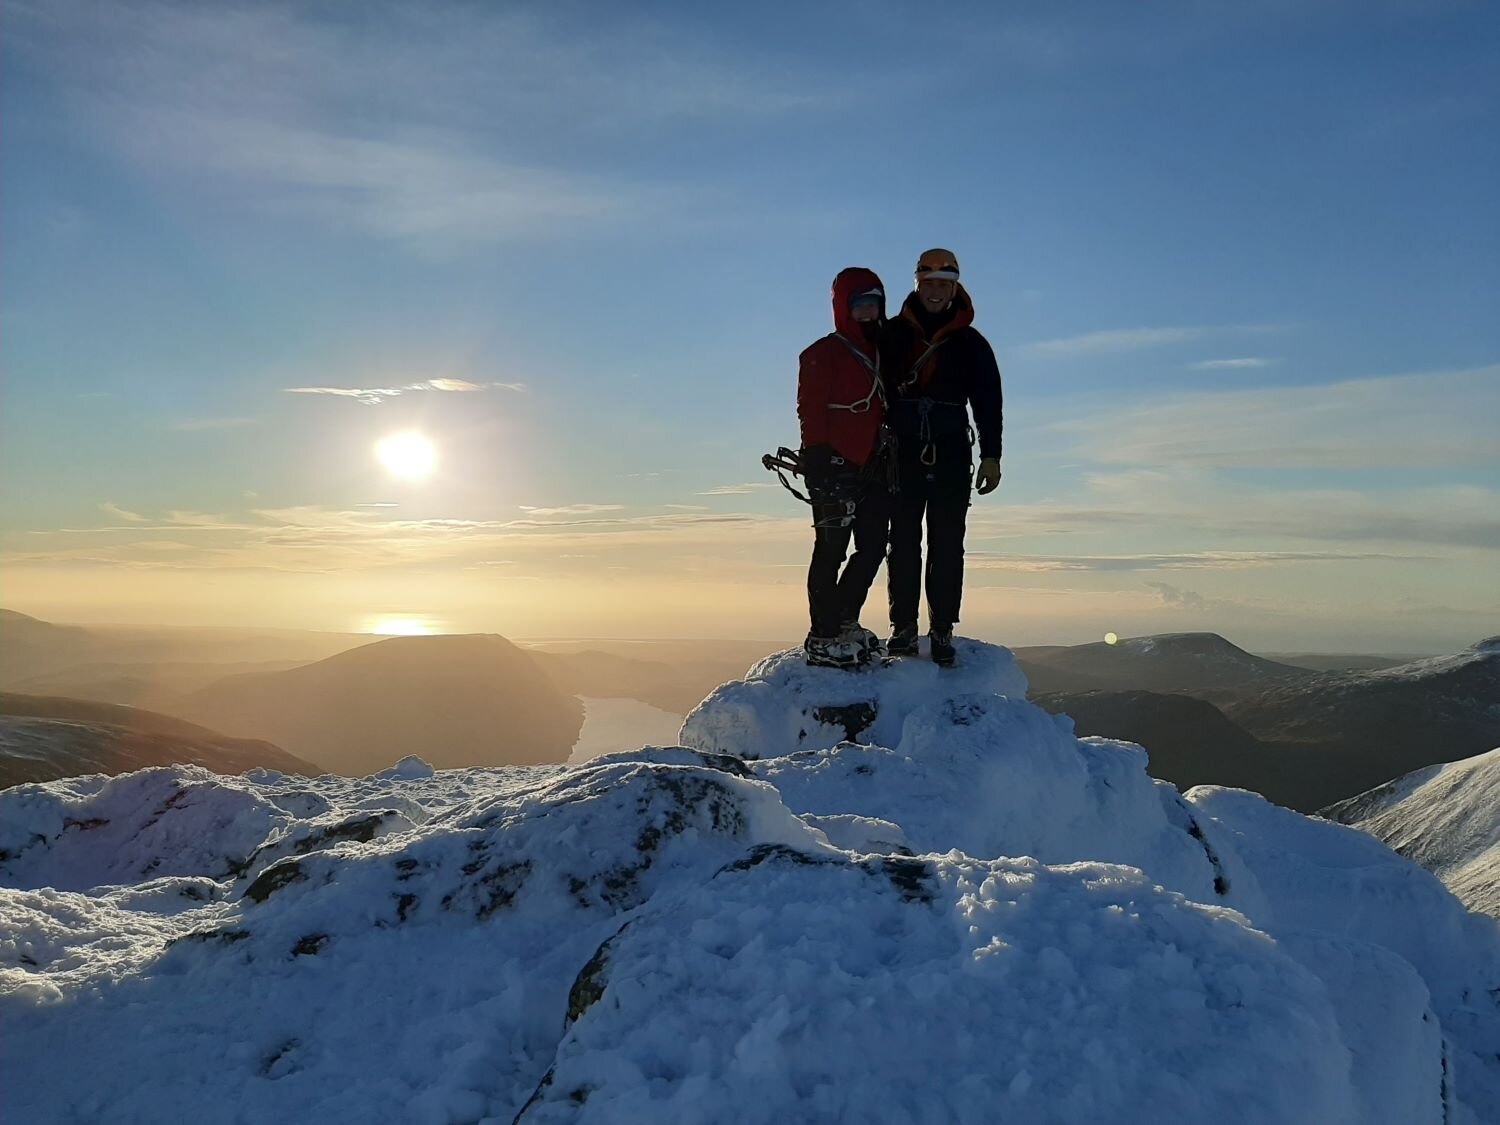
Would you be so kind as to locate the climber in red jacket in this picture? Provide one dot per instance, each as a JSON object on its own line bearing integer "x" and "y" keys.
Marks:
{"x": 841, "y": 407}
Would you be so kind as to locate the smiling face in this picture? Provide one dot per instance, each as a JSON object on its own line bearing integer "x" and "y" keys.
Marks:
{"x": 936, "y": 293}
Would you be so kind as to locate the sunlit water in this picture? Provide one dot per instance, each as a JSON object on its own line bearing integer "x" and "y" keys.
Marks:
{"x": 623, "y": 724}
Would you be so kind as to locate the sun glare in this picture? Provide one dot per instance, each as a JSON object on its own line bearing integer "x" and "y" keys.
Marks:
{"x": 409, "y": 456}
{"x": 401, "y": 627}
{"x": 1111, "y": 638}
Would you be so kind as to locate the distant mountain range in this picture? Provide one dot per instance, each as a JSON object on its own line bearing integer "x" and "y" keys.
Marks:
{"x": 1186, "y": 663}
{"x": 42, "y": 739}
{"x": 1314, "y": 737}
{"x": 1445, "y": 817}
{"x": 1306, "y": 729}
{"x": 141, "y": 666}
{"x": 455, "y": 701}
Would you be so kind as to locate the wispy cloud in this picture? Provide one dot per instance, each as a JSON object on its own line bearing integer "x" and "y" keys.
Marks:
{"x": 1225, "y": 513}
{"x": 1245, "y": 364}
{"x": 572, "y": 509}
{"x": 310, "y": 539}
{"x": 1177, "y": 596}
{"x": 736, "y": 489}
{"x": 1117, "y": 341}
{"x": 110, "y": 508}
{"x": 293, "y": 110}
{"x": 373, "y": 396}
{"x": 1427, "y": 421}
{"x": 1200, "y": 560}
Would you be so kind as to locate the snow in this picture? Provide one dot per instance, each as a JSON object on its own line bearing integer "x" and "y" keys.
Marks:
{"x": 1443, "y": 817}
{"x": 900, "y": 895}
{"x": 1485, "y": 652}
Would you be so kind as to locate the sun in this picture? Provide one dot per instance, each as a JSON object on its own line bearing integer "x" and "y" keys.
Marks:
{"x": 401, "y": 626}
{"x": 409, "y": 456}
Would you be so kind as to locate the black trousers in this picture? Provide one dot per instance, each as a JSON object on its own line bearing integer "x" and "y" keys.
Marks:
{"x": 834, "y": 598}
{"x": 938, "y": 494}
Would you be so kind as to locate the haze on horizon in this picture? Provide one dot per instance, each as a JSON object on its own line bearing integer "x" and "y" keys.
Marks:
{"x": 479, "y": 319}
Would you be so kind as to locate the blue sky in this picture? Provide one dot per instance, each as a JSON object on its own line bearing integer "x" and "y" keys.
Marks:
{"x": 1240, "y": 264}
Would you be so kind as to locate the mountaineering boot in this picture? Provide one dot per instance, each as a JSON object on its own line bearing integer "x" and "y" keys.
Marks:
{"x": 940, "y": 646}
{"x": 903, "y": 640}
{"x": 872, "y": 646}
{"x": 832, "y": 652}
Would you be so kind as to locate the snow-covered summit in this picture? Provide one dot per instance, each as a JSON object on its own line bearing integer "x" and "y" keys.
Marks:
{"x": 902, "y": 895}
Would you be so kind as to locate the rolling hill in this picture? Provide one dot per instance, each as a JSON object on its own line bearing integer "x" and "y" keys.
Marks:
{"x": 43, "y": 738}
{"x": 474, "y": 700}
{"x": 1191, "y": 663}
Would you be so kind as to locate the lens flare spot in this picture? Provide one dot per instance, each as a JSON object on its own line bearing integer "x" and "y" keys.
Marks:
{"x": 1111, "y": 638}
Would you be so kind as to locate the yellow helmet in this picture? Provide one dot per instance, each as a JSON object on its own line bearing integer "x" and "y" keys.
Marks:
{"x": 938, "y": 264}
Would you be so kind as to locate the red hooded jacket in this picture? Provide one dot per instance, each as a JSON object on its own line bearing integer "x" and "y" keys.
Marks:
{"x": 839, "y": 399}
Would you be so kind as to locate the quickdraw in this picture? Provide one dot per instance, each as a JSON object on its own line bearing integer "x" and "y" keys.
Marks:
{"x": 928, "y": 456}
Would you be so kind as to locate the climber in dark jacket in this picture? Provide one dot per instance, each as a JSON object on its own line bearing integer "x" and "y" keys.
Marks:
{"x": 936, "y": 368}
{"x": 841, "y": 408}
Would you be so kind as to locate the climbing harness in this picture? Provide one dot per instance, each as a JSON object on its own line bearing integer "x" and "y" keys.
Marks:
{"x": 832, "y": 503}
{"x": 928, "y": 453}
{"x": 925, "y": 406}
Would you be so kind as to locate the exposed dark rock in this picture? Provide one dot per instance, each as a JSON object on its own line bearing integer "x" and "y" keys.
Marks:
{"x": 591, "y": 981}
{"x": 912, "y": 877}
{"x": 227, "y": 936}
{"x": 362, "y": 829}
{"x": 309, "y": 945}
{"x": 281, "y": 874}
{"x": 853, "y": 717}
{"x": 1221, "y": 881}
{"x": 85, "y": 825}
{"x": 774, "y": 853}
{"x": 270, "y": 1065}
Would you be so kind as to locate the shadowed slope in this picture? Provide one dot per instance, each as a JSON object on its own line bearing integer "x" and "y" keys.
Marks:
{"x": 454, "y": 700}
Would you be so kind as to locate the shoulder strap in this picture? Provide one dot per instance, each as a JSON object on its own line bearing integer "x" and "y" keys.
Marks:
{"x": 877, "y": 389}
{"x": 916, "y": 368}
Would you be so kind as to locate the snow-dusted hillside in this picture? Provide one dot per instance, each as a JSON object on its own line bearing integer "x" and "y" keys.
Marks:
{"x": 1447, "y": 818}
{"x": 905, "y": 895}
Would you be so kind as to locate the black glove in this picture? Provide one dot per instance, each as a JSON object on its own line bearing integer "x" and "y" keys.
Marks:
{"x": 818, "y": 465}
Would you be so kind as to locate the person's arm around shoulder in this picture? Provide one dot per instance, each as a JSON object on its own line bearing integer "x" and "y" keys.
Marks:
{"x": 893, "y": 346}
{"x": 987, "y": 401}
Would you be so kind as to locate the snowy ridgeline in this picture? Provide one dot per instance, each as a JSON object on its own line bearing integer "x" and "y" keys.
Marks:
{"x": 1443, "y": 817}
{"x": 898, "y": 896}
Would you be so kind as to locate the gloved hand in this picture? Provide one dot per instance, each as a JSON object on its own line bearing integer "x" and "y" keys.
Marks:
{"x": 817, "y": 464}
{"x": 987, "y": 479}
